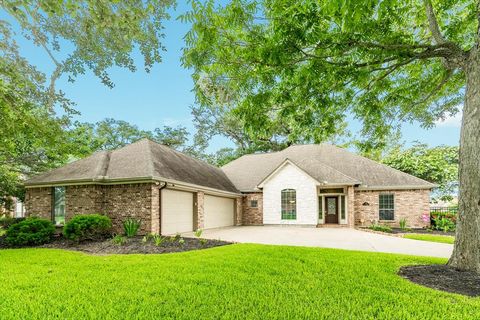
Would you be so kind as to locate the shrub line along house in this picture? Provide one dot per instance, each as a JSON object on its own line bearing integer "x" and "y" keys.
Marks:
{"x": 170, "y": 192}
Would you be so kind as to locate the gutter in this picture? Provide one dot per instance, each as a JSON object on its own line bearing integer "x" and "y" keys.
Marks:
{"x": 105, "y": 181}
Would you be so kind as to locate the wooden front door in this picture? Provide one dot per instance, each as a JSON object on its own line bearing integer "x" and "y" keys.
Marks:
{"x": 331, "y": 209}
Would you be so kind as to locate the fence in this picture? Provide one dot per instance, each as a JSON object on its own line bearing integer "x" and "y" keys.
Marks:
{"x": 453, "y": 210}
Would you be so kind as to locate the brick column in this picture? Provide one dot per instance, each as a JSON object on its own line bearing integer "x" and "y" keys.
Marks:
{"x": 351, "y": 203}
{"x": 198, "y": 211}
{"x": 238, "y": 211}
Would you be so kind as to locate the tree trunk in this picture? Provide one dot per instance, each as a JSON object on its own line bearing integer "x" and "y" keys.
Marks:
{"x": 466, "y": 253}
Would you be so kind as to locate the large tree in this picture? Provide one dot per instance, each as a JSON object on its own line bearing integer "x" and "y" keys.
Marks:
{"x": 310, "y": 64}
{"x": 77, "y": 36}
{"x": 438, "y": 165}
{"x": 110, "y": 134}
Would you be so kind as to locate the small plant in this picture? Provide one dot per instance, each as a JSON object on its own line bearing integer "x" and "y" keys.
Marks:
{"x": 378, "y": 227}
{"x": 119, "y": 240}
{"x": 444, "y": 224}
{"x": 177, "y": 237}
{"x": 31, "y": 231}
{"x": 158, "y": 240}
{"x": 203, "y": 242}
{"x": 198, "y": 233}
{"x": 403, "y": 224}
{"x": 131, "y": 226}
{"x": 181, "y": 242}
{"x": 145, "y": 239}
{"x": 88, "y": 227}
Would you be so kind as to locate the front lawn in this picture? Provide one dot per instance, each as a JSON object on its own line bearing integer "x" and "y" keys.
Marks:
{"x": 231, "y": 282}
{"x": 431, "y": 237}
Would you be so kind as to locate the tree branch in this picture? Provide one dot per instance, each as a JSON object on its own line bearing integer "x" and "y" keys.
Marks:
{"x": 433, "y": 23}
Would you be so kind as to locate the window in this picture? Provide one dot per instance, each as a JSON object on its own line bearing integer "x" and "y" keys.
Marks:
{"x": 289, "y": 204}
{"x": 342, "y": 202}
{"x": 253, "y": 203}
{"x": 59, "y": 205}
{"x": 386, "y": 207}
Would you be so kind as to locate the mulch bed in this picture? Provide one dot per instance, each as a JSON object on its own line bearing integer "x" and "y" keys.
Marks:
{"x": 423, "y": 231}
{"x": 443, "y": 277}
{"x": 132, "y": 245}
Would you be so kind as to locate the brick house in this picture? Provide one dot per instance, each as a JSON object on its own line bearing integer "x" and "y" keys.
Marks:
{"x": 171, "y": 192}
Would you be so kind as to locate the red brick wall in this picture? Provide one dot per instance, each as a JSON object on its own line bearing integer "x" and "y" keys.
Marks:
{"x": 118, "y": 202}
{"x": 38, "y": 202}
{"x": 408, "y": 204}
{"x": 131, "y": 200}
{"x": 252, "y": 216}
{"x": 198, "y": 210}
{"x": 84, "y": 199}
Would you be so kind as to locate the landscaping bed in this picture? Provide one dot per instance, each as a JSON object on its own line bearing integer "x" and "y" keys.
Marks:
{"x": 443, "y": 277}
{"x": 422, "y": 231}
{"x": 130, "y": 246}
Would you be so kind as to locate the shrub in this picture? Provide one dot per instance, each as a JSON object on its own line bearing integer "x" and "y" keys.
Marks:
{"x": 6, "y": 222}
{"x": 119, "y": 240}
{"x": 158, "y": 240}
{"x": 31, "y": 231}
{"x": 378, "y": 227}
{"x": 444, "y": 224}
{"x": 181, "y": 241}
{"x": 403, "y": 224}
{"x": 198, "y": 233}
{"x": 131, "y": 226}
{"x": 88, "y": 227}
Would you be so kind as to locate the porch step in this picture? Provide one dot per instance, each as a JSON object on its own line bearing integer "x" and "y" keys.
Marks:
{"x": 332, "y": 225}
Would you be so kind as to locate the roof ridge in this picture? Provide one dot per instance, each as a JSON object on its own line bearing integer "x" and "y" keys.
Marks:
{"x": 336, "y": 170}
{"x": 105, "y": 164}
{"x": 149, "y": 157}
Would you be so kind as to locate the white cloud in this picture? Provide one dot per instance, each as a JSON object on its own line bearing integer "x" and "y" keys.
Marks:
{"x": 450, "y": 121}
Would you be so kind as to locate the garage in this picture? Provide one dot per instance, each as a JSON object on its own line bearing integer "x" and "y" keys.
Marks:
{"x": 218, "y": 211}
{"x": 177, "y": 211}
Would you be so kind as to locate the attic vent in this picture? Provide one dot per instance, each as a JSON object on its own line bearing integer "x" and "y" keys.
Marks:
{"x": 365, "y": 204}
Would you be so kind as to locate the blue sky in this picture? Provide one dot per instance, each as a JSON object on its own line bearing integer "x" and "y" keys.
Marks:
{"x": 164, "y": 96}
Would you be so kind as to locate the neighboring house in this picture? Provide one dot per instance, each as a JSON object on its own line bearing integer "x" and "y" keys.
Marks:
{"x": 171, "y": 192}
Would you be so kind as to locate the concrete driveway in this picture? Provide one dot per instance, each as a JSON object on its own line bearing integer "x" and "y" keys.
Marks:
{"x": 340, "y": 238}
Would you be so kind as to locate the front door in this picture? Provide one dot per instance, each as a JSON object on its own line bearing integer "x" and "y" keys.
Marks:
{"x": 331, "y": 210}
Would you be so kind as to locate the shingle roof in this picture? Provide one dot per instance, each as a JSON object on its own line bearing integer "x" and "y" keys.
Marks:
{"x": 143, "y": 159}
{"x": 323, "y": 162}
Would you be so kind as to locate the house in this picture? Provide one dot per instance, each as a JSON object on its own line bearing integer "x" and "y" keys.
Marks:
{"x": 171, "y": 192}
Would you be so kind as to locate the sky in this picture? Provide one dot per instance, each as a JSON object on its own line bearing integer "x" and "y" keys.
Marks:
{"x": 164, "y": 96}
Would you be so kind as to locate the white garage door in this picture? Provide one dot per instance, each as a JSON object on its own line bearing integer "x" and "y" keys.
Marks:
{"x": 218, "y": 212}
{"x": 177, "y": 211}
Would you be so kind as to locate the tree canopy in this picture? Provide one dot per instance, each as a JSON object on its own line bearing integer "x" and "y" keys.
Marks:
{"x": 298, "y": 69}
{"x": 110, "y": 134}
{"x": 438, "y": 165}
{"x": 77, "y": 36}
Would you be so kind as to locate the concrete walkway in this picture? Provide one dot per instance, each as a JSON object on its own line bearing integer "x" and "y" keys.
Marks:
{"x": 340, "y": 238}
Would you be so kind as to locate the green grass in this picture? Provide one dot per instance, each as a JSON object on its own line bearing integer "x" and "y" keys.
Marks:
{"x": 232, "y": 282}
{"x": 431, "y": 238}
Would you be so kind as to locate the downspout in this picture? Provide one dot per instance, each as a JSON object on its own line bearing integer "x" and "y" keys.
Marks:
{"x": 160, "y": 207}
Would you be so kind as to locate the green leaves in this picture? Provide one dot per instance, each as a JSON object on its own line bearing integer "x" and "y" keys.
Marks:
{"x": 296, "y": 70}
{"x": 438, "y": 165}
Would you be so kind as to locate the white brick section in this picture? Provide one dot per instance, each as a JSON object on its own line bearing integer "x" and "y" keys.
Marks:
{"x": 290, "y": 177}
